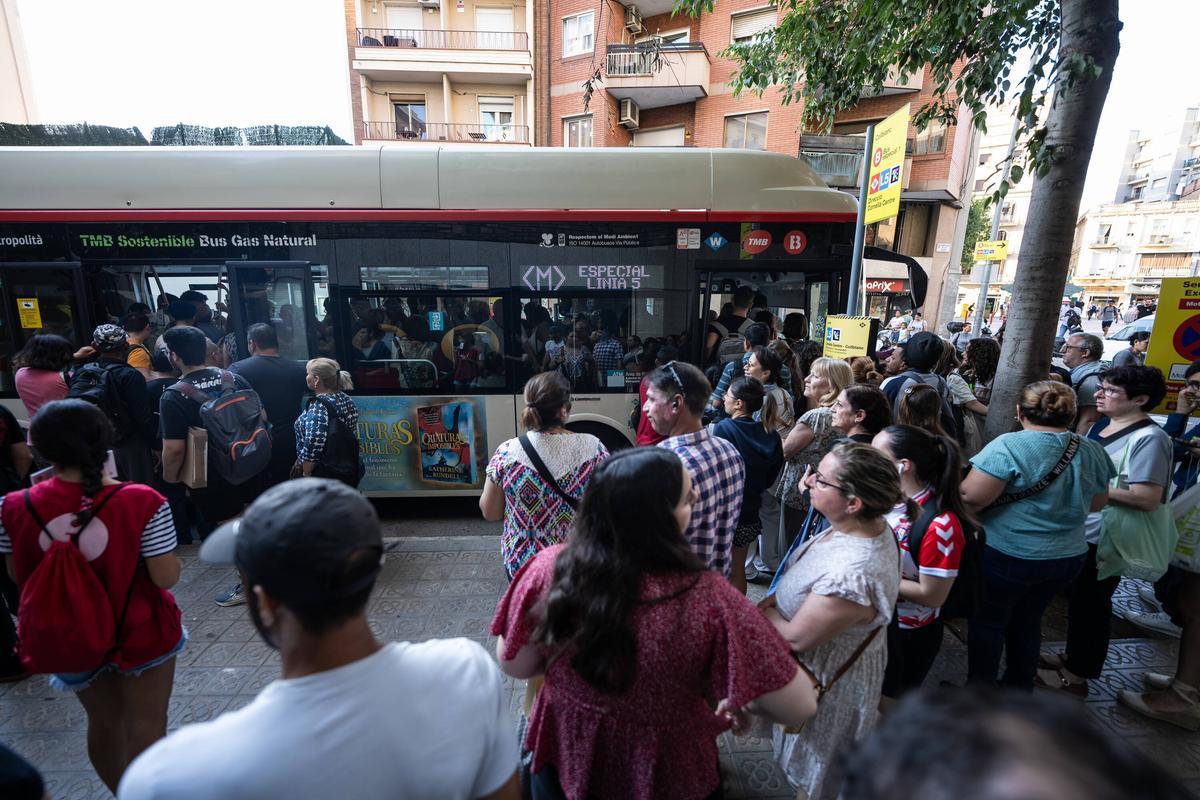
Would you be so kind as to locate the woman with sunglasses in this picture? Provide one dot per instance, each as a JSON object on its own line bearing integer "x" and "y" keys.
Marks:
{"x": 837, "y": 595}
{"x": 634, "y": 636}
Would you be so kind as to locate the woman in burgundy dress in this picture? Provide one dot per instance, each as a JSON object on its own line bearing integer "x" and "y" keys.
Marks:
{"x": 634, "y": 635}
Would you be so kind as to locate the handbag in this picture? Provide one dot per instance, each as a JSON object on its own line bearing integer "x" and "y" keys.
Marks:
{"x": 544, "y": 471}
{"x": 1058, "y": 469}
{"x": 1135, "y": 543}
{"x": 1186, "y": 509}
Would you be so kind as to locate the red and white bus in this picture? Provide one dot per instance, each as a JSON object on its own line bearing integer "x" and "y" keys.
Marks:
{"x": 438, "y": 277}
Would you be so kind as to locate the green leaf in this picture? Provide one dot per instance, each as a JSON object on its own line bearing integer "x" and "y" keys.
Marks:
{"x": 1016, "y": 173}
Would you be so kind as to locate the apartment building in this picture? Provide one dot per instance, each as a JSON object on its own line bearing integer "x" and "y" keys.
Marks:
{"x": 1123, "y": 251}
{"x": 441, "y": 70}
{"x": 1164, "y": 165}
{"x": 1014, "y": 210}
{"x": 16, "y": 86}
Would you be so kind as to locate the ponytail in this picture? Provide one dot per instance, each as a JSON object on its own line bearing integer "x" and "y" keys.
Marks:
{"x": 938, "y": 462}
{"x": 345, "y": 382}
{"x": 91, "y": 468}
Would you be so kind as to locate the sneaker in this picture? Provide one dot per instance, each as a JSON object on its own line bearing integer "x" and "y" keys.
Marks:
{"x": 1157, "y": 681}
{"x": 1146, "y": 595}
{"x": 1159, "y": 622}
{"x": 1185, "y": 714}
{"x": 233, "y": 597}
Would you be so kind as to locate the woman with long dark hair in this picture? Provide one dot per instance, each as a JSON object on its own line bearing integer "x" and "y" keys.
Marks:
{"x": 930, "y": 473}
{"x": 125, "y": 532}
{"x": 634, "y": 635}
{"x": 42, "y": 371}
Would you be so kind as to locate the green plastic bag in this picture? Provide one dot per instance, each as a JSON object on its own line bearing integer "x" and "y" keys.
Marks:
{"x": 1133, "y": 543}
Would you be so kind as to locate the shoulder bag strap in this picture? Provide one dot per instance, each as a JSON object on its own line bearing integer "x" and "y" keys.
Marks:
{"x": 188, "y": 390}
{"x": 544, "y": 471}
{"x": 1047, "y": 479}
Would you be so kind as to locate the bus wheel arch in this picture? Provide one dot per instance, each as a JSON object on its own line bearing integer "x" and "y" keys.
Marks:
{"x": 609, "y": 436}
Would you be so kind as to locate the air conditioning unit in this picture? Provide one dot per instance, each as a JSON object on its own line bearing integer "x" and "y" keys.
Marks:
{"x": 628, "y": 115}
{"x": 633, "y": 19}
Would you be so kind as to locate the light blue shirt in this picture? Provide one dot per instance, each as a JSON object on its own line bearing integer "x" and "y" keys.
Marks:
{"x": 1048, "y": 524}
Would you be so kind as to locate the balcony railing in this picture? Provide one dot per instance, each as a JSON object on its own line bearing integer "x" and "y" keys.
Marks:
{"x": 443, "y": 40}
{"x": 645, "y": 59}
{"x": 1188, "y": 163}
{"x": 445, "y": 132}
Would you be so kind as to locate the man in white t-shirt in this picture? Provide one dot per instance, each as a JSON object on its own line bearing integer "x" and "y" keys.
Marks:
{"x": 351, "y": 717}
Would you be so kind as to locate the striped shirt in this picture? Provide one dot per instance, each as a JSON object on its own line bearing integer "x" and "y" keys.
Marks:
{"x": 718, "y": 477}
{"x": 157, "y": 539}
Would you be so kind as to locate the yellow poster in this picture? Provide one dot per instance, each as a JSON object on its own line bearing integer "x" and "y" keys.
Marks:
{"x": 886, "y": 167}
{"x": 991, "y": 251}
{"x": 29, "y": 312}
{"x": 846, "y": 337}
{"x": 1175, "y": 338}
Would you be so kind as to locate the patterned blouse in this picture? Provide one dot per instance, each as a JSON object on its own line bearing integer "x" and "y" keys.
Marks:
{"x": 535, "y": 517}
{"x": 312, "y": 427}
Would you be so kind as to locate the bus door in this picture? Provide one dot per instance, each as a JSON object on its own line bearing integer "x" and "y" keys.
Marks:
{"x": 809, "y": 293}
{"x": 38, "y": 299}
{"x": 286, "y": 296}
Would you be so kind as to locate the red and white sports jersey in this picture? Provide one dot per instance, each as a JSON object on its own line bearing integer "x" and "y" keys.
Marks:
{"x": 941, "y": 552}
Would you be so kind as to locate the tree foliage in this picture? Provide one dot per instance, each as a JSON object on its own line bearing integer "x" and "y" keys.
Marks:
{"x": 832, "y": 53}
{"x": 978, "y": 227}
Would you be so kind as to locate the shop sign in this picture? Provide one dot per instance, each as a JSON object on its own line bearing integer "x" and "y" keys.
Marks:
{"x": 422, "y": 443}
{"x": 881, "y": 286}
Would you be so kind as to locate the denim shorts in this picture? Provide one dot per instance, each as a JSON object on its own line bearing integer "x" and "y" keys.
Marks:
{"x": 78, "y": 681}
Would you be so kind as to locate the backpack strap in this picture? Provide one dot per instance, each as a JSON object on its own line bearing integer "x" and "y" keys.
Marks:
{"x": 188, "y": 390}
{"x": 544, "y": 471}
{"x": 228, "y": 382}
{"x": 916, "y": 533}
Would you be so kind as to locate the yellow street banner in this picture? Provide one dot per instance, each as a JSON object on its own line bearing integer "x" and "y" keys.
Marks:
{"x": 991, "y": 251}
{"x": 846, "y": 337}
{"x": 886, "y": 167}
{"x": 1175, "y": 338}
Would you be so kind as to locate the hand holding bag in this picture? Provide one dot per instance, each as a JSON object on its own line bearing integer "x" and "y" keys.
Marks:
{"x": 1135, "y": 543}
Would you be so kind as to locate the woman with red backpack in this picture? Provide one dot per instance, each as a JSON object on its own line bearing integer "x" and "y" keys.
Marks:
{"x": 93, "y": 559}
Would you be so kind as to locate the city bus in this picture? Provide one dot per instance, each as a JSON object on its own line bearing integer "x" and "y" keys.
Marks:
{"x": 441, "y": 279}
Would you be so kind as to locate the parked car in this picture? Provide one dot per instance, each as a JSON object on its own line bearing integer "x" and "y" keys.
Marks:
{"x": 1118, "y": 340}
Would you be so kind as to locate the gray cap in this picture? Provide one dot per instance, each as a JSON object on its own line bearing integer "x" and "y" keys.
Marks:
{"x": 298, "y": 539}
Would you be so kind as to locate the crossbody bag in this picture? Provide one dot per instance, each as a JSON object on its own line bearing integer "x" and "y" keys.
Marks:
{"x": 544, "y": 471}
{"x": 1047, "y": 479}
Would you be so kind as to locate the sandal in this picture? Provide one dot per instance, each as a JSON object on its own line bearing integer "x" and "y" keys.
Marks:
{"x": 1079, "y": 690}
{"x": 1054, "y": 661}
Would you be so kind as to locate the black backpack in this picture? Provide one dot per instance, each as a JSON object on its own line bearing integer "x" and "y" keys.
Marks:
{"x": 966, "y": 593}
{"x": 239, "y": 439}
{"x": 341, "y": 458}
{"x": 94, "y": 383}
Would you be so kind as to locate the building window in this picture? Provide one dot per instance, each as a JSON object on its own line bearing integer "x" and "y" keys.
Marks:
{"x": 980, "y": 185}
{"x": 577, "y": 132}
{"x": 747, "y": 131}
{"x": 578, "y": 34}
{"x": 496, "y": 117}
{"x": 984, "y": 158}
{"x": 410, "y": 118}
{"x": 1102, "y": 236}
{"x": 931, "y": 140}
{"x": 746, "y": 26}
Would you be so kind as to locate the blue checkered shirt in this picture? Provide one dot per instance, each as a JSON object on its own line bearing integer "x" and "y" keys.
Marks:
{"x": 608, "y": 354}
{"x": 718, "y": 476}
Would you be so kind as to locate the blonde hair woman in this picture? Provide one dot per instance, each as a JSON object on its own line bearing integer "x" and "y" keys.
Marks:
{"x": 811, "y": 437}
{"x": 327, "y": 431}
{"x": 832, "y": 605}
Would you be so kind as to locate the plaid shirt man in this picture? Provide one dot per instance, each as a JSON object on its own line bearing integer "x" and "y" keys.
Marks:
{"x": 718, "y": 478}
{"x": 607, "y": 354}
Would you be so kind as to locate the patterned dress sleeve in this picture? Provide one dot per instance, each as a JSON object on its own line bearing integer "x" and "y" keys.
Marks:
{"x": 314, "y": 429}
{"x": 497, "y": 464}
{"x": 749, "y": 657}
{"x": 855, "y": 582}
{"x": 513, "y": 618}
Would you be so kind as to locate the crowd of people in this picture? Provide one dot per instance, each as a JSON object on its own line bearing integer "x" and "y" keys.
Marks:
{"x": 860, "y": 491}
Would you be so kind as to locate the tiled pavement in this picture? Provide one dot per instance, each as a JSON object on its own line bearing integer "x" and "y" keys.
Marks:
{"x": 439, "y": 587}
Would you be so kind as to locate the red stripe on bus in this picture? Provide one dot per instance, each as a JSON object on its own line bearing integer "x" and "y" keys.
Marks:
{"x": 415, "y": 215}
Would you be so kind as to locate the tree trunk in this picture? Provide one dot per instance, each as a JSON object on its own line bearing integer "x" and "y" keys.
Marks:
{"x": 1089, "y": 28}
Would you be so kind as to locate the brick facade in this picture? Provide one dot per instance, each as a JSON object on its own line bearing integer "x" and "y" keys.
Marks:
{"x": 356, "y": 106}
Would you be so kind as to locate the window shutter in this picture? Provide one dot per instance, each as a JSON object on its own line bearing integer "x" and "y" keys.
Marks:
{"x": 747, "y": 26}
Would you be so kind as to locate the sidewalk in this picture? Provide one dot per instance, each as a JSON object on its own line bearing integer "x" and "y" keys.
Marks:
{"x": 448, "y": 586}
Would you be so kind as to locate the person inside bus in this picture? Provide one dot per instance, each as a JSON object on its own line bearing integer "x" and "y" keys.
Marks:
{"x": 137, "y": 332}
{"x": 204, "y": 314}
{"x": 161, "y": 319}
{"x": 182, "y": 314}
{"x": 731, "y": 321}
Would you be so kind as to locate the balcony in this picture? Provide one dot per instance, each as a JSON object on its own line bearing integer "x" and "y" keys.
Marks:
{"x": 399, "y": 54}
{"x": 1139, "y": 177}
{"x": 838, "y": 159}
{"x": 894, "y": 84}
{"x": 1188, "y": 163}
{"x": 650, "y": 8}
{"x": 657, "y": 75}
{"x": 445, "y": 132}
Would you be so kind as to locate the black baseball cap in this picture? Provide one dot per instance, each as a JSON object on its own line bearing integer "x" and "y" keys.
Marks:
{"x": 923, "y": 350}
{"x": 302, "y": 541}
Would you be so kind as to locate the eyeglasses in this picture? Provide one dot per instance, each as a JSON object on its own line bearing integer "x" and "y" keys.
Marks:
{"x": 815, "y": 475}
{"x": 1073, "y": 347}
{"x": 1194, "y": 385}
{"x": 1111, "y": 391}
{"x": 670, "y": 368}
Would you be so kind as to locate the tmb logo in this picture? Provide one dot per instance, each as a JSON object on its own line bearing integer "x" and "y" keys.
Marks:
{"x": 756, "y": 241}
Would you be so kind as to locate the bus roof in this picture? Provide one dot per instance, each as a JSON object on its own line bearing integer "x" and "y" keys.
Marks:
{"x": 475, "y": 177}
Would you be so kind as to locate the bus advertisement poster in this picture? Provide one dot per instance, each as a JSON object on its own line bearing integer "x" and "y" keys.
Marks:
{"x": 422, "y": 443}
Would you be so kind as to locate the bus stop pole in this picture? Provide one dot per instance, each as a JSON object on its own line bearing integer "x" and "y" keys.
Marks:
{"x": 860, "y": 230}
{"x": 985, "y": 277}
